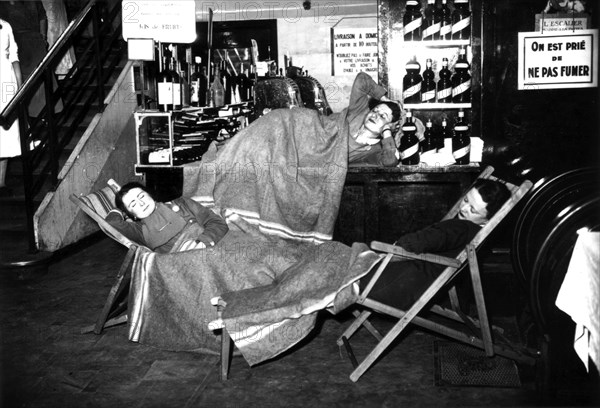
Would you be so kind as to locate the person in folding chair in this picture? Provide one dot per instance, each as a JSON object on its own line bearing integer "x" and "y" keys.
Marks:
{"x": 403, "y": 281}
{"x": 179, "y": 225}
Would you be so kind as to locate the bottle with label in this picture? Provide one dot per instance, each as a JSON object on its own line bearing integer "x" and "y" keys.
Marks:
{"x": 428, "y": 89}
{"x": 461, "y": 20}
{"x": 217, "y": 91}
{"x": 413, "y": 21}
{"x": 428, "y": 145}
{"x": 461, "y": 80}
{"x": 446, "y": 22}
{"x": 444, "y": 85}
{"x": 432, "y": 22}
{"x": 196, "y": 97}
{"x": 412, "y": 82}
{"x": 443, "y": 134}
{"x": 461, "y": 142}
{"x": 164, "y": 87}
{"x": 176, "y": 80}
{"x": 409, "y": 142}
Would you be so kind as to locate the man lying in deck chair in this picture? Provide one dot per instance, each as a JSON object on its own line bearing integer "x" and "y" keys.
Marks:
{"x": 180, "y": 225}
{"x": 403, "y": 281}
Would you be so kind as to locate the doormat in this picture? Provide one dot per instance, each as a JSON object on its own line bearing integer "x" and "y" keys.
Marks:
{"x": 458, "y": 365}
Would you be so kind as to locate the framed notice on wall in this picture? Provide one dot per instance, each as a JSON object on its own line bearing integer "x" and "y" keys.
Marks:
{"x": 558, "y": 60}
{"x": 165, "y": 21}
{"x": 354, "y": 50}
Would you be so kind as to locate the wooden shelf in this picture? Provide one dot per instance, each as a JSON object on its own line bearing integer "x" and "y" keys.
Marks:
{"x": 436, "y": 106}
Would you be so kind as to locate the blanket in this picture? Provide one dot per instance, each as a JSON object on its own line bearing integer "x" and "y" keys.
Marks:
{"x": 278, "y": 183}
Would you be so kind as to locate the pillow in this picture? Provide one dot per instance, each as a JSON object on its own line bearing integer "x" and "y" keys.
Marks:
{"x": 102, "y": 201}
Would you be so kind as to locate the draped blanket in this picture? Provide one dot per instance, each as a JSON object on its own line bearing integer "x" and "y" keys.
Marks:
{"x": 278, "y": 183}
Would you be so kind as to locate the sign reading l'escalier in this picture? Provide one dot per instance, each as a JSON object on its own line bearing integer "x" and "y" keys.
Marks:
{"x": 165, "y": 21}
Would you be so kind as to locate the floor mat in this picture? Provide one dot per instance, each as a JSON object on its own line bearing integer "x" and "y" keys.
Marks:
{"x": 464, "y": 366}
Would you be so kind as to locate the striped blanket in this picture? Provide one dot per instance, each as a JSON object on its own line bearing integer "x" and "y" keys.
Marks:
{"x": 278, "y": 183}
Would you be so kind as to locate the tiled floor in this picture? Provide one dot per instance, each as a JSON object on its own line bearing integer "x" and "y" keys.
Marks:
{"x": 46, "y": 362}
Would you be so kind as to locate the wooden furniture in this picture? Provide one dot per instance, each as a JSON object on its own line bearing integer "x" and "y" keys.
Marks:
{"x": 455, "y": 315}
{"x": 383, "y": 203}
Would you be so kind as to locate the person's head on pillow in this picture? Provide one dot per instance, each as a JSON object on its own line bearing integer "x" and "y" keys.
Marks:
{"x": 135, "y": 201}
{"x": 483, "y": 201}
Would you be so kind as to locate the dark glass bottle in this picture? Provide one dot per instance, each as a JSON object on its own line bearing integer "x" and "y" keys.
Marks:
{"x": 461, "y": 20}
{"x": 413, "y": 21}
{"x": 444, "y": 85}
{"x": 197, "y": 96}
{"x": 412, "y": 82}
{"x": 432, "y": 22}
{"x": 446, "y": 22}
{"x": 409, "y": 142}
{"x": 461, "y": 142}
{"x": 185, "y": 83}
{"x": 164, "y": 87}
{"x": 429, "y": 143}
{"x": 176, "y": 80}
{"x": 428, "y": 88}
{"x": 226, "y": 81}
{"x": 443, "y": 134}
{"x": 242, "y": 83}
{"x": 461, "y": 80}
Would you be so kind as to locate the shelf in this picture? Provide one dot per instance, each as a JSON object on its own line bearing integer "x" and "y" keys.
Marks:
{"x": 436, "y": 43}
{"x": 436, "y": 106}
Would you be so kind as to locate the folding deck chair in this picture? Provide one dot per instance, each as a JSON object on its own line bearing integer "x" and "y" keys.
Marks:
{"x": 475, "y": 332}
{"x": 97, "y": 205}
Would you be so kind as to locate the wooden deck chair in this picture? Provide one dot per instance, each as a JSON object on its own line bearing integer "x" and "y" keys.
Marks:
{"x": 97, "y": 205}
{"x": 475, "y": 332}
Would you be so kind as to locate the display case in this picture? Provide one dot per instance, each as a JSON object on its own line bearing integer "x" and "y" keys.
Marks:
{"x": 174, "y": 138}
{"x": 398, "y": 52}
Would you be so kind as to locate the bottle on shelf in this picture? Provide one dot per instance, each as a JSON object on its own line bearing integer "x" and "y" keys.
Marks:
{"x": 176, "y": 80}
{"x": 164, "y": 87}
{"x": 443, "y": 134}
{"x": 444, "y": 85}
{"x": 446, "y": 22}
{"x": 204, "y": 88}
{"x": 226, "y": 81}
{"x": 217, "y": 91}
{"x": 185, "y": 85}
{"x": 461, "y": 142}
{"x": 411, "y": 83}
{"x": 196, "y": 96}
{"x": 429, "y": 143}
{"x": 461, "y": 80}
{"x": 242, "y": 82}
{"x": 413, "y": 21}
{"x": 409, "y": 142}
{"x": 461, "y": 20}
{"x": 432, "y": 22}
{"x": 428, "y": 88}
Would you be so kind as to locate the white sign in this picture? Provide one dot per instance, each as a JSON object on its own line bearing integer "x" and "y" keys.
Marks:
{"x": 554, "y": 61}
{"x": 165, "y": 21}
{"x": 354, "y": 51}
{"x": 561, "y": 22}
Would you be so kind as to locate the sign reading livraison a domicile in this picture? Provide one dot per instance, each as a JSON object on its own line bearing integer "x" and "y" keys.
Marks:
{"x": 558, "y": 60}
{"x": 165, "y": 21}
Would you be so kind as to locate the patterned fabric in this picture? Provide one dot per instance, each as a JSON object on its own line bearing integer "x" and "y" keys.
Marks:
{"x": 101, "y": 201}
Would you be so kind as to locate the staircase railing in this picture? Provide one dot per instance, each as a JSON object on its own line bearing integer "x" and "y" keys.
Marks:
{"x": 44, "y": 138}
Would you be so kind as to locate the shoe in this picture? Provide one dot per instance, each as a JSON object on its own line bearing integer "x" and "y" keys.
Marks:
{"x": 6, "y": 192}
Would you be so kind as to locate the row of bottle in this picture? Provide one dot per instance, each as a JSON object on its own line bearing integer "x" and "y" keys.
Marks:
{"x": 411, "y": 147}
{"x": 177, "y": 87}
{"x": 437, "y": 22}
{"x": 450, "y": 88}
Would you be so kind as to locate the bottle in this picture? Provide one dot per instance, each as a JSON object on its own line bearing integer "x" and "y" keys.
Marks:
{"x": 461, "y": 80}
{"x": 432, "y": 22}
{"x": 164, "y": 87}
{"x": 242, "y": 83}
{"x": 461, "y": 20}
{"x": 409, "y": 142}
{"x": 429, "y": 143}
{"x": 413, "y": 21}
{"x": 195, "y": 98}
{"x": 226, "y": 81}
{"x": 204, "y": 88}
{"x": 461, "y": 142}
{"x": 217, "y": 91}
{"x": 176, "y": 80}
{"x": 446, "y": 22}
{"x": 444, "y": 85}
{"x": 185, "y": 85}
{"x": 412, "y": 82}
{"x": 428, "y": 86}
{"x": 443, "y": 135}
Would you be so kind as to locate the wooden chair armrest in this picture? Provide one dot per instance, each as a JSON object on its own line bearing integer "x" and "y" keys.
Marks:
{"x": 401, "y": 252}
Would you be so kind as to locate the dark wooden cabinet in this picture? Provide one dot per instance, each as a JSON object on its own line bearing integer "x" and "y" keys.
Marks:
{"x": 383, "y": 203}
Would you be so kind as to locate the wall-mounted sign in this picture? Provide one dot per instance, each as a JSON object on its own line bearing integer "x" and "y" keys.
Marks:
{"x": 561, "y": 22}
{"x": 165, "y": 21}
{"x": 554, "y": 61}
{"x": 355, "y": 50}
